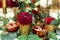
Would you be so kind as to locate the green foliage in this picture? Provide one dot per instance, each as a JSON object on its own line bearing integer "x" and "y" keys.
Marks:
{"x": 9, "y": 36}
{"x": 22, "y": 37}
{"x": 54, "y": 22}
{"x": 58, "y": 32}
{"x": 43, "y": 15}
{"x": 32, "y": 5}
{"x": 22, "y": 6}
{"x": 29, "y": 37}
{"x": 52, "y": 35}
{"x": 5, "y": 21}
{"x": 59, "y": 20}
{"x": 3, "y": 28}
{"x": 14, "y": 18}
{"x": 37, "y": 0}
{"x": 1, "y": 18}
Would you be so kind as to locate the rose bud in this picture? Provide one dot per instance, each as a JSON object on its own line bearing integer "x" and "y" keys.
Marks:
{"x": 41, "y": 31}
{"x": 35, "y": 12}
{"x": 12, "y": 3}
{"x": 48, "y": 20}
{"x": 11, "y": 27}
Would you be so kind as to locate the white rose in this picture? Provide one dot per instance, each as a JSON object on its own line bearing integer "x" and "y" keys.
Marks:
{"x": 37, "y": 3}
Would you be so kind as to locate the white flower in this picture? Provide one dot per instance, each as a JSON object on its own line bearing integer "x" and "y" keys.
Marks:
{"x": 59, "y": 26}
{"x": 1, "y": 31}
{"x": 54, "y": 13}
{"x": 27, "y": 9}
{"x": 37, "y": 3}
{"x": 0, "y": 39}
{"x": 43, "y": 3}
{"x": 1, "y": 23}
{"x": 1, "y": 12}
{"x": 35, "y": 9}
{"x": 27, "y": 2}
{"x": 10, "y": 13}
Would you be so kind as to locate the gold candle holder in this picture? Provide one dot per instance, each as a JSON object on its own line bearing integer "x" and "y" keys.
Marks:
{"x": 24, "y": 29}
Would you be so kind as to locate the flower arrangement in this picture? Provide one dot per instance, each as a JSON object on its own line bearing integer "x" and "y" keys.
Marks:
{"x": 31, "y": 22}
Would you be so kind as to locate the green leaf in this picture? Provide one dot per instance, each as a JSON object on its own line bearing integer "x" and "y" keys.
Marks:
{"x": 3, "y": 28}
{"x": 34, "y": 37}
{"x": 22, "y": 37}
{"x": 43, "y": 15}
{"x": 52, "y": 35}
{"x": 59, "y": 20}
{"x": 5, "y": 21}
{"x": 22, "y": 6}
{"x": 58, "y": 32}
{"x": 29, "y": 37}
{"x": 54, "y": 22}
{"x": 14, "y": 18}
{"x": 32, "y": 5}
{"x": 37, "y": 0}
{"x": 9, "y": 36}
{"x": 1, "y": 18}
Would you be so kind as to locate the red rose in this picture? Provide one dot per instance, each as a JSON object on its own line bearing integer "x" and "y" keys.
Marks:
{"x": 48, "y": 20}
{"x": 24, "y": 18}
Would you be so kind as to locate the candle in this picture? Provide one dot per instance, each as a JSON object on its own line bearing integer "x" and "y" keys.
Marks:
{"x": 4, "y": 7}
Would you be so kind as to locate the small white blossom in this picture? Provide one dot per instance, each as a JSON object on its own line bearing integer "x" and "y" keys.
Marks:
{"x": 37, "y": 3}
{"x": 27, "y": 9}
{"x": 10, "y": 13}
{"x": 0, "y": 39}
{"x": 27, "y": 2}
{"x": 59, "y": 26}
{"x": 35, "y": 9}
{"x": 1, "y": 23}
{"x": 1, "y": 31}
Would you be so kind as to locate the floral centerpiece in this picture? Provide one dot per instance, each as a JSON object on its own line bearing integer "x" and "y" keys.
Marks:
{"x": 30, "y": 23}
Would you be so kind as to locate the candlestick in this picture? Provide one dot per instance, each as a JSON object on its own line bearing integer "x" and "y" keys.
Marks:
{"x": 4, "y": 7}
